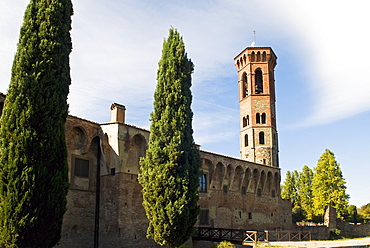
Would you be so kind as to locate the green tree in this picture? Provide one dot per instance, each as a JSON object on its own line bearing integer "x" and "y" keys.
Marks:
{"x": 33, "y": 165}
{"x": 328, "y": 185}
{"x": 289, "y": 189}
{"x": 170, "y": 171}
{"x": 364, "y": 212}
{"x": 305, "y": 191}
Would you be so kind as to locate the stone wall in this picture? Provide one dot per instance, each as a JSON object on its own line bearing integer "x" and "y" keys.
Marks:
{"x": 350, "y": 229}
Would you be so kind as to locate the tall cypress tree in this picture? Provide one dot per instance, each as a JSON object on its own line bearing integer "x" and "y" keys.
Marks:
{"x": 170, "y": 171}
{"x": 328, "y": 185}
{"x": 33, "y": 165}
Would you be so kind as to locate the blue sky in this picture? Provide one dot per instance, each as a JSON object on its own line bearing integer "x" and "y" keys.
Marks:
{"x": 321, "y": 82}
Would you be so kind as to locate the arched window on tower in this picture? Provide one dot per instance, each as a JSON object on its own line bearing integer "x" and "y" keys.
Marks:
{"x": 245, "y": 84}
{"x": 264, "y": 56}
{"x": 258, "y": 81}
{"x": 262, "y": 138}
{"x": 244, "y": 121}
{"x": 246, "y": 140}
{"x": 258, "y": 118}
{"x": 263, "y": 118}
{"x": 253, "y": 57}
{"x": 247, "y": 120}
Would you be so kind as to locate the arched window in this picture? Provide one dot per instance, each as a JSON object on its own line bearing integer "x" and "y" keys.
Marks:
{"x": 258, "y": 118}
{"x": 245, "y": 84}
{"x": 262, "y": 138}
{"x": 258, "y": 81}
{"x": 246, "y": 140}
{"x": 244, "y": 121}
{"x": 263, "y": 118}
{"x": 203, "y": 183}
{"x": 247, "y": 120}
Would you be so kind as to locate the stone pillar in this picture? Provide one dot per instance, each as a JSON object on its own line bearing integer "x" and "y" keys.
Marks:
{"x": 330, "y": 218}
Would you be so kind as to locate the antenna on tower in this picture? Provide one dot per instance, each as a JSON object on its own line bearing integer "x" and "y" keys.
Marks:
{"x": 254, "y": 38}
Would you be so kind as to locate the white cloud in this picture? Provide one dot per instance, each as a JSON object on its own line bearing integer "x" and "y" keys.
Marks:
{"x": 335, "y": 35}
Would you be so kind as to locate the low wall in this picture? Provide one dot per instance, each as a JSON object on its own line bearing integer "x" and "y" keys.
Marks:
{"x": 317, "y": 232}
{"x": 349, "y": 229}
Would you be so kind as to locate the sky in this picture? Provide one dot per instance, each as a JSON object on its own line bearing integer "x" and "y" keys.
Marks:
{"x": 322, "y": 89}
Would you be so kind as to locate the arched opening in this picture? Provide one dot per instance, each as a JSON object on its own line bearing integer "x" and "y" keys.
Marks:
{"x": 261, "y": 138}
{"x": 246, "y": 181}
{"x": 218, "y": 176}
{"x": 246, "y": 140}
{"x": 254, "y": 181}
{"x": 261, "y": 186}
{"x": 77, "y": 139}
{"x": 258, "y": 56}
{"x": 264, "y": 56}
{"x": 245, "y": 84}
{"x": 263, "y": 118}
{"x": 137, "y": 151}
{"x": 258, "y": 81}
{"x": 253, "y": 57}
{"x": 238, "y": 177}
{"x": 244, "y": 121}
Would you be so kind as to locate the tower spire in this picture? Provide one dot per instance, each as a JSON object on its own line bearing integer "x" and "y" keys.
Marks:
{"x": 254, "y": 38}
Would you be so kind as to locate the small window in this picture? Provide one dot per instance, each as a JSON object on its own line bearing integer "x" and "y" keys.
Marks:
{"x": 204, "y": 217}
{"x": 244, "y": 121}
{"x": 263, "y": 118}
{"x": 259, "y": 192}
{"x": 203, "y": 184}
{"x": 262, "y": 138}
{"x": 258, "y": 118}
{"x": 244, "y": 190}
{"x": 112, "y": 171}
{"x": 250, "y": 215}
{"x": 246, "y": 140}
{"x": 81, "y": 168}
{"x": 224, "y": 189}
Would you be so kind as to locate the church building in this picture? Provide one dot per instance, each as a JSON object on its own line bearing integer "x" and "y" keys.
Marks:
{"x": 104, "y": 202}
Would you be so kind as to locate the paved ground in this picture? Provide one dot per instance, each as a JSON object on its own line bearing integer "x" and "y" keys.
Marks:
{"x": 365, "y": 242}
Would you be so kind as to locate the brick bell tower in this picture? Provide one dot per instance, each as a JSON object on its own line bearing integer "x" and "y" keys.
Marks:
{"x": 256, "y": 81}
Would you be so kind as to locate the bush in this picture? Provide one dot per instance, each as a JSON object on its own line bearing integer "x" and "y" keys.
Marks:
{"x": 223, "y": 244}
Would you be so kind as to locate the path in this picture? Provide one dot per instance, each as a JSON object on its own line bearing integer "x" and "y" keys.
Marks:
{"x": 365, "y": 242}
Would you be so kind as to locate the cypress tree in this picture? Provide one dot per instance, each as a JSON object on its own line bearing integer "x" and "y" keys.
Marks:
{"x": 328, "y": 185}
{"x": 170, "y": 171}
{"x": 33, "y": 165}
{"x": 305, "y": 191}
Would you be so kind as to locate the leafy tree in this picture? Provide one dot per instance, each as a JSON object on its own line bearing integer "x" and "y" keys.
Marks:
{"x": 290, "y": 187}
{"x": 328, "y": 185}
{"x": 364, "y": 212}
{"x": 170, "y": 171}
{"x": 351, "y": 214}
{"x": 305, "y": 191}
{"x": 33, "y": 165}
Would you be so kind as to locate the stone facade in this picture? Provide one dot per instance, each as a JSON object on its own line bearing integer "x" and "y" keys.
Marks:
{"x": 237, "y": 194}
